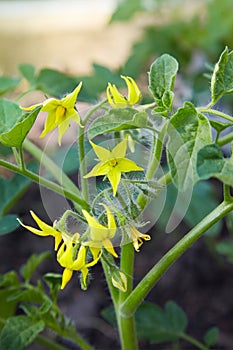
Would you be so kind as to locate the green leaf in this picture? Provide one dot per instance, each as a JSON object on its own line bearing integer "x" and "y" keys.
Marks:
{"x": 160, "y": 326}
{"x": 211, "y": 163}
{"x": 7, "y": 308}
{"x": 8, "y": 224}
{"x": 222, "y": 78}
{"x": 211, "y": 336}
{"x": 9, "y": 279}
{"x": 15, "y": 124}
{"x": 54, "y": 281}
{"x": 162, "y": 78}
{"x": 117, "y": 119}
{"x": 188, "y": 132}
{"x": 28, "y": 72}
{"x": 126, "y": 9}
{"x": 8, "y": 83}
{"x": 32, "y": 264}
{"x": 18, "y": 332}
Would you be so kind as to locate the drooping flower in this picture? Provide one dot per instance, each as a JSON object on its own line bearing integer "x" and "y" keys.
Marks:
{"x": 112, "y": 163}
{"x": 138, "y": 237}
{"x": 117, "y": 100}
{"x": 60, "y": 112}
{"x": 72, "y": 257}
{"x": 100, "y": 235}
{"x": 45, "y": 229}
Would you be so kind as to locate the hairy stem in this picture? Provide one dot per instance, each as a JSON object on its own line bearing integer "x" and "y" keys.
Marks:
{"x": 46, "y": 183}
{"x": 215, "y": 112}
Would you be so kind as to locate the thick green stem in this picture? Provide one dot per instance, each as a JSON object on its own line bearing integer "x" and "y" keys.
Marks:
{"x": 48, "y": 343}
{"x": 148, "y": 282}
{"x": 46, "y": 183}
{"x": 52, "y": 167}
{"x": 112, "y": 290}
{"x": 215, "y": 112}
{"x": 126, "y": 325}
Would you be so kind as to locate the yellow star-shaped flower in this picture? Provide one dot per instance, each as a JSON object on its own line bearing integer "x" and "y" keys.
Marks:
{"x": 46, "y": 230}
{"x": 112, "y": 163}
{"x": 60, "y": 112}
{"x": 73, "y": 258}
{"x": 100, "y": 236}
{"x": 117, "y": 100}
{"x": 137, "y": 238}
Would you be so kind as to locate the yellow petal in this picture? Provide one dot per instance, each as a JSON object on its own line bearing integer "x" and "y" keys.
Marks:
{"x": 80, "y": 261}
{"x": 126, "y": 165}
{"x": 34, "y": 230}
{"x": 98, "y": 170}
{"x": 111, "y": 220}
{"x": 62, "y": 128}
{"x": 92, "y": 222}
{"x": 119, "y": 150}
{"x": 30, "y": 108}
{"x": 115, "y": 99}
{"x": 70, "y": 100}
{"x": 109, "y": 247}
{"x": 102, "y": 153}
{"x": 134, "y": 94}
{"x": 66, "y": 277}
{"x": 43, "y": 226}
{"x": 114, "y": 176}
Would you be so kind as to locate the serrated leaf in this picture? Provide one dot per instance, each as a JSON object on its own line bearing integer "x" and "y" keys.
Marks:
{"x": 162, "y": 78}
{"x": 8, "y": 83}
{"x": 117, "y": 119}
{"x": 211, "y": 163}
{"x": 15, "y": 124}
{"x": 18, "y": 332}
{"x": 222, "y": 78}
{"x": 188, "y": 132}
{"x": 211, "y": 336}
{"x": 32, "y": 264}
{"x": 8, "y": 224}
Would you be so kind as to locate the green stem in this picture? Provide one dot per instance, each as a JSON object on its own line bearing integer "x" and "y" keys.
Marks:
{"x": 46, "y": 183}
{"x": 215, "y": 112}
{"x": 225, "y": 139}
{"x": 52, "y": 167}
{"x": 148, "y": 282}
{"x": 126, "y": 325}
{"x": 82, "y": 164}
{"x": 112, "y": 290}
{"x": 193, "y": 341}
{"x": 21, "y": 158}
{"x": 93, "y": 110}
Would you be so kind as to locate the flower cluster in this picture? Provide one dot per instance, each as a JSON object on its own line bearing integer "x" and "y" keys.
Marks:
{"x": 80, "y": 251}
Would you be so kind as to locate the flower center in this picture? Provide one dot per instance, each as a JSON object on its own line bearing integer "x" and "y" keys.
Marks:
{"x": 60, "y": 112}
{"x": 113, "y": 162}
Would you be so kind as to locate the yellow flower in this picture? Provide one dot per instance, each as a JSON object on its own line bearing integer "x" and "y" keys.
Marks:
{"x": 117, "y": 100}
{"x": 60, "y": 112}
{"x": 100, "y": 236}
{"x": 46, "y": 230}
{"x": 137, "y": 238}
{"x": 112, "y": 163}
{"x": 71, "y": 260}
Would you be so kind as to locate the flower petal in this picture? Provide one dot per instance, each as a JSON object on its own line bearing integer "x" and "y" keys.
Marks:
{"x": 114, "y": 176}
{"x": 109, "y": 247}
{"x": 92, "y": 222}
{"x": 66, "y": 277}
{"x": 134, "y": 94}
{"x": 102, "y": 153}
{"x": 70, "y": 100}
{"x": 98, "y": 170}
{"x": 43, "y": 226}
{"x": 119, "y": 150}
{"x": 62, "y": 129}
{"x": 126, "y": 165}
{"x": 111, "y": 220}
